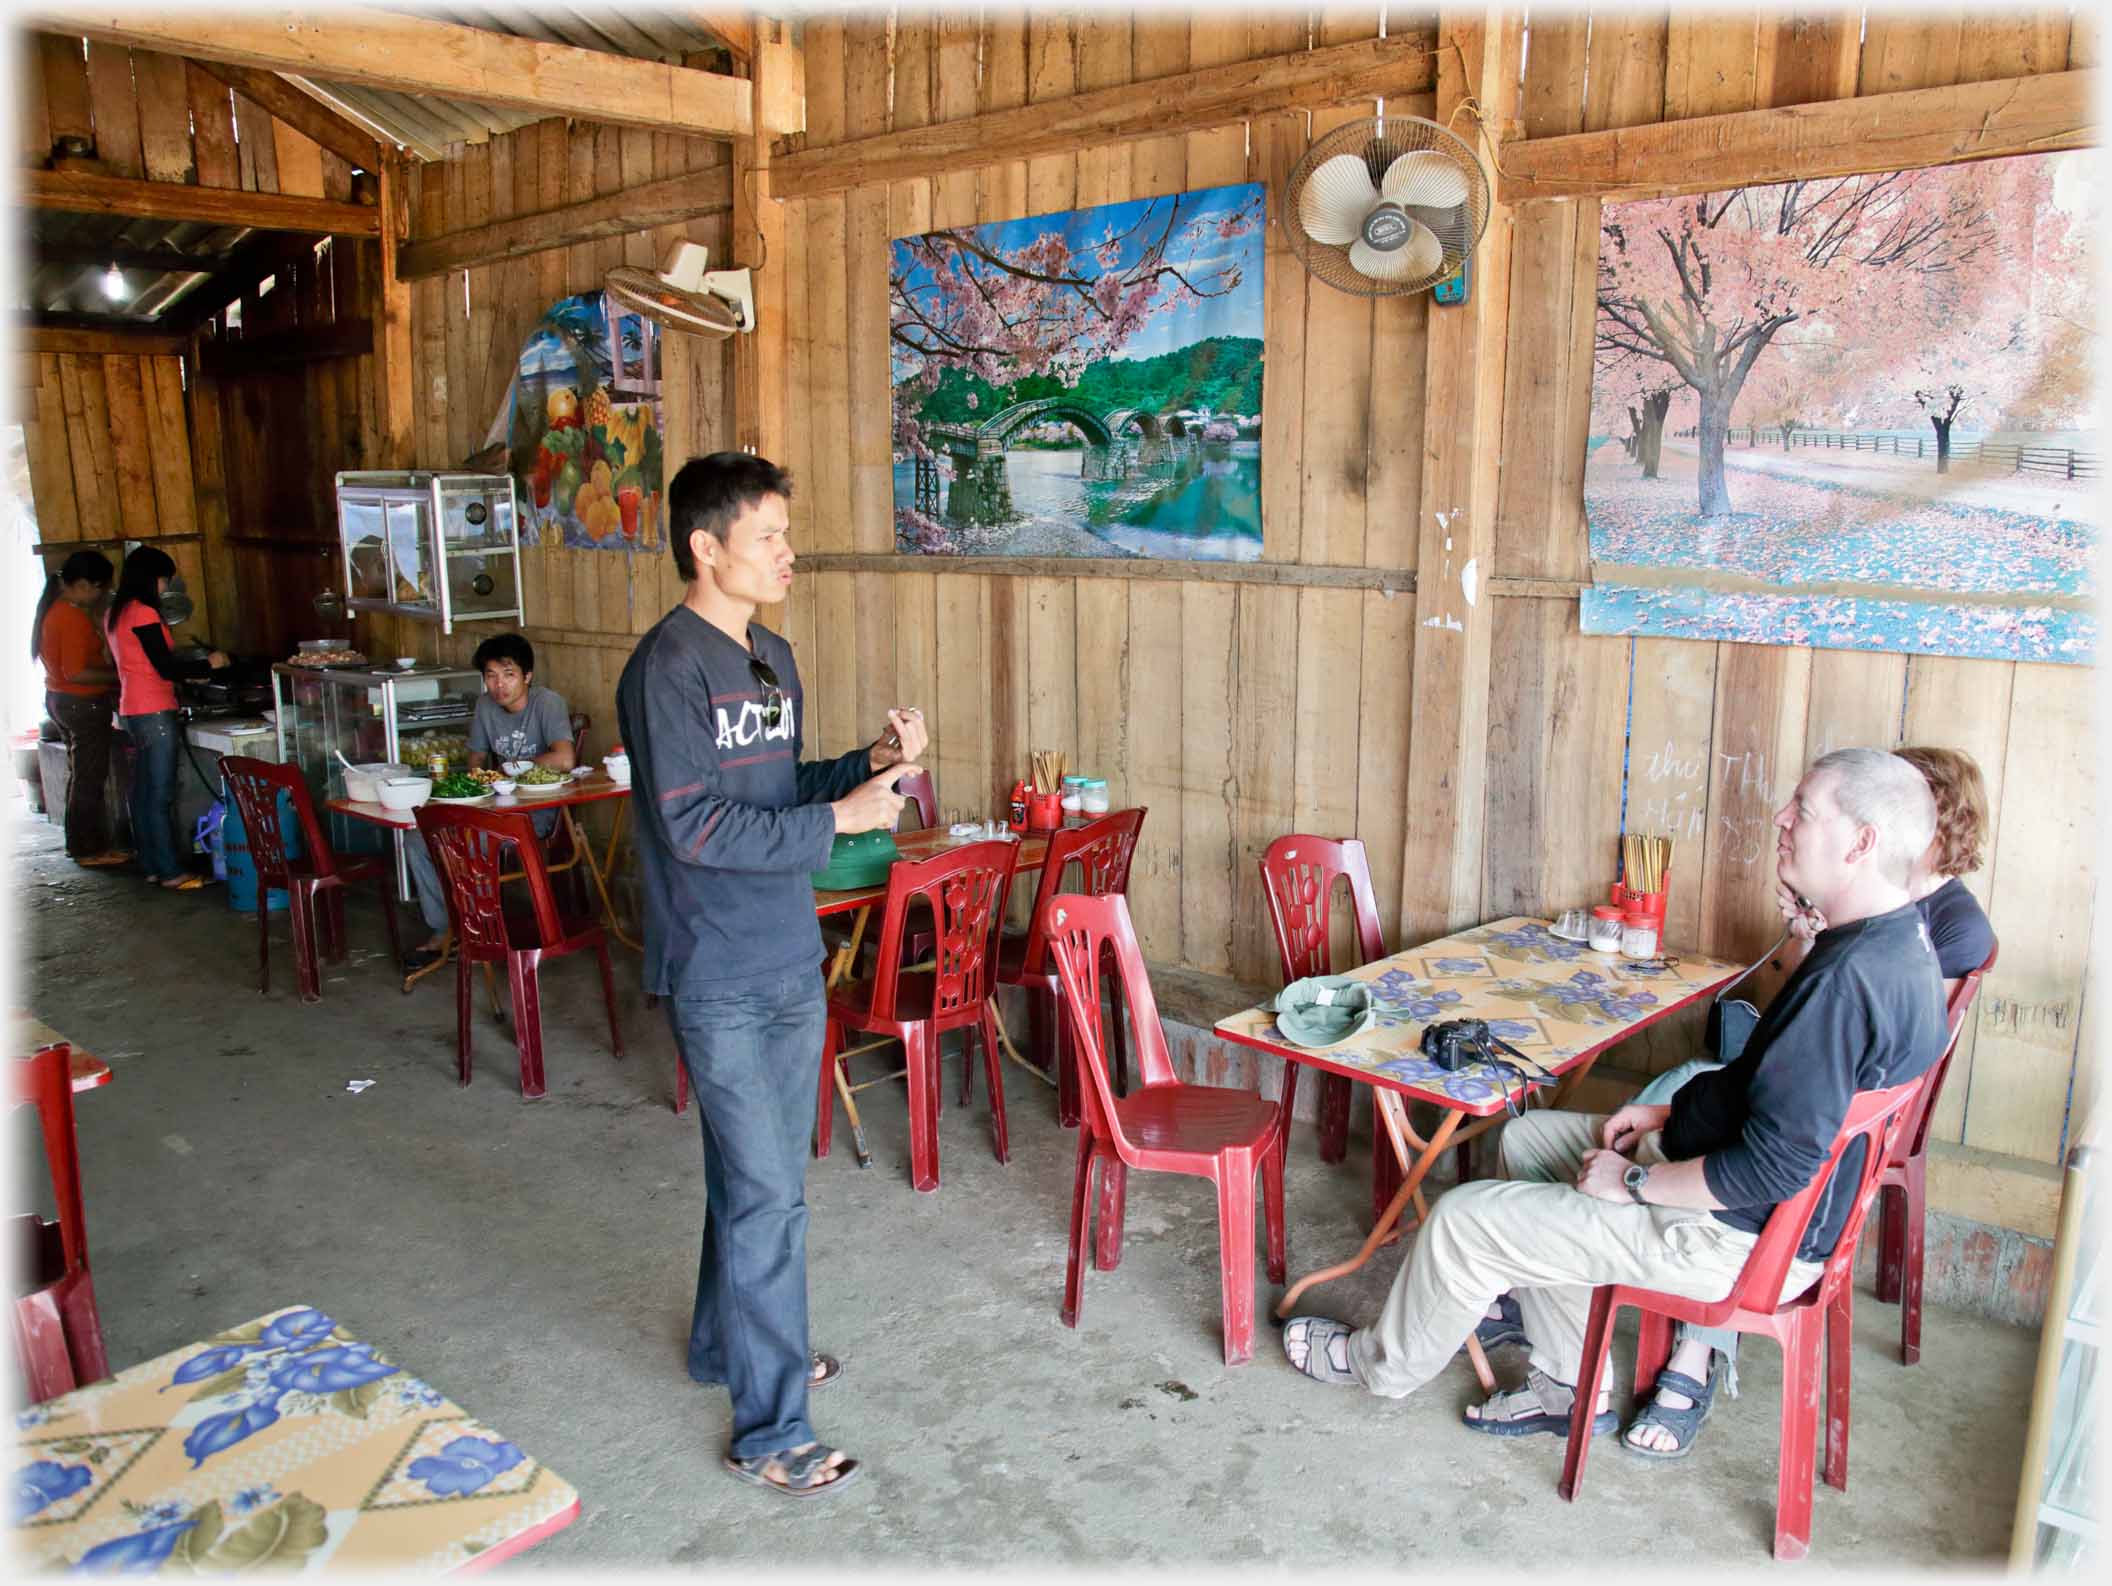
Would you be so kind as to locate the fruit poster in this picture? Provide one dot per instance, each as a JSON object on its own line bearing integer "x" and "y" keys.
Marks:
{"x": 1856, "y": 413}
{"x": 585, "y": 430}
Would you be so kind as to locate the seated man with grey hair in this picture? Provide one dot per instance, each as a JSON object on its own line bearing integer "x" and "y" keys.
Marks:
{"x": 1674, "y": 1197}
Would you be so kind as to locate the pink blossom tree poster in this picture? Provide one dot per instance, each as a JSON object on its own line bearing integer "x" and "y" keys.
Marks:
{"x": 1855, "y": 413}
{"x": 1082, "y": 384}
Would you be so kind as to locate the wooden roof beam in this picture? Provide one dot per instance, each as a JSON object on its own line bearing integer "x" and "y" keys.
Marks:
{"x": 307, "y": 116}
{"x": 85, "y": 194}
{"x": 72, "y": 333}
{"x": 411, "y": 54}
{"x": 1842, "y": 137}
{"x": 1188, "y": 102}
{"x": 661, "y": 203}
{"x": 40, "y": 252}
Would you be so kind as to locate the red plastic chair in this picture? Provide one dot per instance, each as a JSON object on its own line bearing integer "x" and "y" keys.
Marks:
{"x": 1298, "y": 875}
{"x": 468, "y": 844}
{"x": 1103, "y": 850}
{"x": 58, "y": 1334}
{"x": 314, "y": 883}
{"x": 1902, "y": 1192}
{"x": 1163, "y": 1126}
{"x": 1822, "y": 1314}
{"x": 965, "y": 889}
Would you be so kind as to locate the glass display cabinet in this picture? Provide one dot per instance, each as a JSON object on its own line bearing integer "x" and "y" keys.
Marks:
{"x": 438, "y": 547}
{"x": 368, "y": 715}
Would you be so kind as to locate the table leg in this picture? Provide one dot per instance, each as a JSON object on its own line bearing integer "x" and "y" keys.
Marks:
{"x": 601, "y": 869}
{"x": 447, "y": 954}
{"x": 839, "y": 968}
{"x": 1395, "y": 1118}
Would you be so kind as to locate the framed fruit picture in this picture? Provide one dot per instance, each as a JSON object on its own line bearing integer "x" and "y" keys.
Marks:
{"x": 584, "y": 437}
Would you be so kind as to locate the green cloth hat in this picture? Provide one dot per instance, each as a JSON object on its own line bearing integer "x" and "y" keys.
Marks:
{"x": 1323, "y": 1010}
{"x": 857, "y": 859}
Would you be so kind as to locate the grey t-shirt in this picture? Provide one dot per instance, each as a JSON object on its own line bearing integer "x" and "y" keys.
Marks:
{"x": 507, "y": 735}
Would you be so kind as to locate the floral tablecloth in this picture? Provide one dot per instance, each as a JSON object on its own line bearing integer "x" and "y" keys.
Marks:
{"x": 283, "y": 1444}
{"x": 1556, "y": 1001}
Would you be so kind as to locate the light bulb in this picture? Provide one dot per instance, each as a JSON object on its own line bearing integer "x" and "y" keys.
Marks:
{"x": 113, "y": 282}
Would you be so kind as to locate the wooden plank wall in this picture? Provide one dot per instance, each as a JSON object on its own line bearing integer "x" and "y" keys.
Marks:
{"x": 467, "y": 328}
{"x": 131, "y": 447}
{"x": 1236, "y": 712}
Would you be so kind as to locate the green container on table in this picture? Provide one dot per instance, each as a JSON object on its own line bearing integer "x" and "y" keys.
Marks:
{"x": 857, "y": 860}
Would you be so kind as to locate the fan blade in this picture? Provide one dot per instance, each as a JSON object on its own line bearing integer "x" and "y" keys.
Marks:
{"x": 1418, "y": 257}
{"x": 1425, "y": 176}
{"x": 647, "y": 294}
{"x": 1335, "y": 199}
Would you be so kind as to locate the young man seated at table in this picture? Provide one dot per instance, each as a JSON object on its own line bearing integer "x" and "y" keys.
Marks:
{"x": 515, "y": 719}
{"x": 1674, "y": 1198}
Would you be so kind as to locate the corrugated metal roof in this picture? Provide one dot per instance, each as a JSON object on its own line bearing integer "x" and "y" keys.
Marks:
{"x": 69, "y": 258}
{"x": 425, "y": 124}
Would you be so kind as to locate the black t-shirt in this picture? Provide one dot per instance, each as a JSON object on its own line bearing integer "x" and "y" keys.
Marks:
{"x": 1864, "y": 1011}
{"x": 1958, "y": 929}
{"x": 729, "y": 821}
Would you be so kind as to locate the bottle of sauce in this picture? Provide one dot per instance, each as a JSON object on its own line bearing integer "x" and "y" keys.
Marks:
{"x": 1017, "y": 806}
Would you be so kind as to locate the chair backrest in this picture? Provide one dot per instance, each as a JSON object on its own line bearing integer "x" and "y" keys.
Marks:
{"x": 923, "y": 793}
{"x": 467, "y": 844}
{"x": 1873, "y": 1115}
{"x": 581, "y": 721}
{"x": 1914, "y": 1137}
{"x": 965, "y": 888}
{"x": 44, "y": 1080}
{"x": 1102, "y": 850}
{"x": 256, "y": 786}
{"x": 1083, "y": 933}
{"x": 1298, "y": 875}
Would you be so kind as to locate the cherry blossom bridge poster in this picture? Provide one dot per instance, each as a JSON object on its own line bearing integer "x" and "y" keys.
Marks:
{"x": 1855, "y": 413}
{"x": 1082, "y": 384}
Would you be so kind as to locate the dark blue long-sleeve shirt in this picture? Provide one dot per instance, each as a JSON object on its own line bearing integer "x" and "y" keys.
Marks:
{"x": 1864, "y": 1011}
{"x": 730, "y": 825}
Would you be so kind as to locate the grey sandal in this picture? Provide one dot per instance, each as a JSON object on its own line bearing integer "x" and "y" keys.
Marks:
{"x": 1684, "y": 1425}
{"x": 1319, "y": 1337}
{"x": 825, "y": 1370}
{"x": 1498, "y": 1417}
{"x": 807, "y": 1475}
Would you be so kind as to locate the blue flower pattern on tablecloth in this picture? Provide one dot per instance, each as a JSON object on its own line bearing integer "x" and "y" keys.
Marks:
{"x": 1532, "y": 939}
{"x": 419, "y": 1395}
{"x": 142, "y": 1553}
{"x": 43, "y": 1482}
{"x": 250, "y": 1499}
{"x": 291, "y": 1363}
{"x": 464, "y": 1465}
{"x": 1460, "y": 966}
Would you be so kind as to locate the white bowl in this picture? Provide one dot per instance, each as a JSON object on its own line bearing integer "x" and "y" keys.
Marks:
{"x": 514, "y": 768}
{"x": 406, "y": 661}
{"x": 503, "y": 787}
{"x": 363, "y": 782}
{"x": 406, "y": 792}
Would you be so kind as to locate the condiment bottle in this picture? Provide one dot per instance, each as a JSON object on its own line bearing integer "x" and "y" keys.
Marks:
{"x": 1018, "y": 805}
{"x": 437, "y": 765}
{"x": 1605, "y": 929}
{"x": 1638, "y": 934}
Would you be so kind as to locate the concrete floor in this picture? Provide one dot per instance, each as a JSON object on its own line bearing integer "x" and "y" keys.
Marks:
{"x": 535, "y": 1261}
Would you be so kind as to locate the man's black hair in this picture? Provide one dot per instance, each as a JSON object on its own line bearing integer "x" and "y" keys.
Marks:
{"x": 709, "y": 493}
{"x": 505, "y": 647}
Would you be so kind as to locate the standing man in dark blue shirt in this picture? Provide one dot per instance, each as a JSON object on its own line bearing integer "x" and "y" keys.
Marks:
{"x": 729, "y": 825}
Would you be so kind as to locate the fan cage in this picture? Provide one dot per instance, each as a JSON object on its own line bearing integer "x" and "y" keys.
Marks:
{"x": 1379, "y": 141}
{"x": 694, "y": 313}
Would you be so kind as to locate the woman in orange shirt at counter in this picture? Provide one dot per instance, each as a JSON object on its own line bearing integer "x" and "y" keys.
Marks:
{"x": 147, "y": 670}
{"x": 78, "y": 683}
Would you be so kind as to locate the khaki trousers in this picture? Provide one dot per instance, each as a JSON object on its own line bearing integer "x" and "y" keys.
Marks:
{"x": 1534, "y": 1235}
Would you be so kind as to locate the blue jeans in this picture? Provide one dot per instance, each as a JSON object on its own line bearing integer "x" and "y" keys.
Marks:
{"x": 754, "y": 1058}
{"x": 154, "y": 791}
{"x": 1659, "y": 1093}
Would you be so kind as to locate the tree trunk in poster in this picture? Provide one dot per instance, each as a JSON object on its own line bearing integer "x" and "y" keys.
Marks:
{"x": 1943, "y": 443}
{"x": 1715, "y": 421}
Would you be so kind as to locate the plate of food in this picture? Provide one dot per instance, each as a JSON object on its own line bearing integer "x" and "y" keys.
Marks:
{"x": 459, "y": 787}
{"x": 539, "y": 781}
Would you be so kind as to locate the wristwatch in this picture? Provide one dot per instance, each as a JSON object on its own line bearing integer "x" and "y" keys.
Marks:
{"x": 1634, "y": 1180}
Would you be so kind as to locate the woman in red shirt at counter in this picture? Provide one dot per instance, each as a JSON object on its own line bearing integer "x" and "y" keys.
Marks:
{"x": 78, "y": 682}
{"x": 147, "y": 670}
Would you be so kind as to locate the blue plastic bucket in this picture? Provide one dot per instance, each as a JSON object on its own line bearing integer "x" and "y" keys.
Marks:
{"x": 241, "y": 869}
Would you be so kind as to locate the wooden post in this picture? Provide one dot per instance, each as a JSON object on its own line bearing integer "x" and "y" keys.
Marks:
{"x": 777, "y": 81}
{"x": 391, "y": 313}
{"x": 1478, "y": 56}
